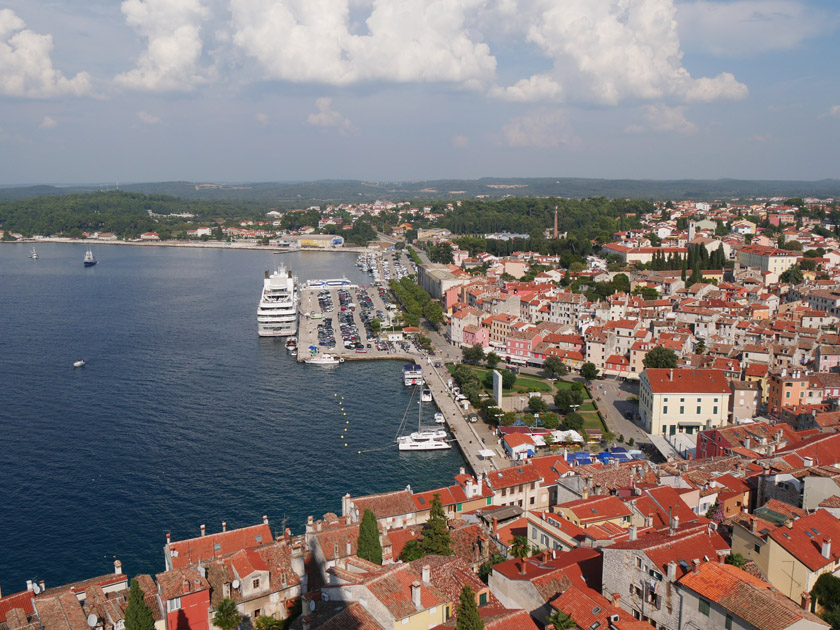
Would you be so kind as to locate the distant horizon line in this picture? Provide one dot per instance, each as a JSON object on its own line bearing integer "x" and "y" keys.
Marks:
{"x": 117, "y": 183}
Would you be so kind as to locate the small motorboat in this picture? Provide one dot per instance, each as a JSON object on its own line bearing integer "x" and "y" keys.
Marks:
{"x": 79, "y": 363}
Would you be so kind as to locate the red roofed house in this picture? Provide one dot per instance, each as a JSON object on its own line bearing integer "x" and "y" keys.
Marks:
{"x": 683, "y": 400}
{"x": 518, "y": 446}
{"x": 793, "y": 555}
{"x": 645, "y": 571}
{"x": 186, "y": 596}
{"x": 517, "y": 485}
{"x": 596, "y": 510}
{"x": 185, "y": 552}
{"x": 718, "y": 595}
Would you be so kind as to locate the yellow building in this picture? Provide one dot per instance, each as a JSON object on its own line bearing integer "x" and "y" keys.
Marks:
{"x": 767, "y": 258}
{"x": 794, "y": 555}
{"x": 683, "y": 400}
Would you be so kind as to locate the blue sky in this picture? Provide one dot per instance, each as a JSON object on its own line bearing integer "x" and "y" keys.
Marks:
{"x": 266, "y": 90}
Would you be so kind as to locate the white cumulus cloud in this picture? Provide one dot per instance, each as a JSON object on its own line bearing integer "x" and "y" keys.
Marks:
{"x": 607, "y": 51}
{"x": 749, "y": 27}
{"x": 147, "y": 118}
{"x": 328, "y": 117}
{"x": 172, "y": 58}
{"x": 664, "y": 118}
{"x": 400, "y": 41}
{"x": 49, "y": 123}
{"x": 542, "y": 129}
{"x": 26, "y": 68}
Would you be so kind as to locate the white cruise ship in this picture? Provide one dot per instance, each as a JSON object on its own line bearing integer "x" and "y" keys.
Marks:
{"x": 277, "y": 314}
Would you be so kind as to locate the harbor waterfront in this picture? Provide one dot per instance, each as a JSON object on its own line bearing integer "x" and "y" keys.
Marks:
{"x": 182, "y": 415}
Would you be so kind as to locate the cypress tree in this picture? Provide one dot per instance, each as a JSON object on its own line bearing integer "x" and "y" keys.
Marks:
{"x": 436, "y": 539}
{"x": 368, "y": 546}
{"x": 468, "y": 617}
{"x": 138, "y": 615}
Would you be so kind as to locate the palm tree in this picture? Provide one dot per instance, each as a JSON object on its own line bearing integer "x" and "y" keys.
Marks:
{"x": 519, "y": 549}
{"x": 561, "y": 621}
{"x": 227, "y": 616}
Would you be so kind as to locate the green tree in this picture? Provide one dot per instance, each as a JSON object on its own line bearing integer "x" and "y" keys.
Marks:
{"x": 138, "y": 615}
{"x": 520, "y": 549}
{"x": 486, "y": 569}
{"x": 467, "y": 614}
{"x": 492, "y": 359}
{"x": 561, "y": 620}
{"x": 368, "y": 546}
{"x": 660, "y": 357}
{"x": 473, "y": 354}
{"x": 436, "y": 538}
{"x": 554, "y": 365}
{"x": 536, "y": 404}
{"x": 735, "y": 559}
{"x": 621, "y": 283}
{"x": 568, "y": 400}
{"x": 264, "y": 622}
{"x": 573, "y": 422}
{"x": 411, "y": 235}
{"x": 826, "y": 592}
{"x": 412, "y": 550}
{"x": 588, "y": 371}
{"x": 550, "y": 420}
{"x": 793, "y": 275}
{"x": 508, "y": 379}
{"x": 433, "y": 312}
{"x": 227, "y": 616}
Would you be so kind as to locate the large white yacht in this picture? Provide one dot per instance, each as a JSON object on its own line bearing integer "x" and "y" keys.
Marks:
{"x": 277, "y": 313}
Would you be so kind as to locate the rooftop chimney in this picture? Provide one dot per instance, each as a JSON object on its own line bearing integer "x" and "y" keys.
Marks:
{"x": 427, "y": 573}
{"x": 671, "y": 568}
{"x": 168, "y": 537}
{"x": 349, "y": 548}
{"x": 224, "y": 526}
{"x": 826, "y": 549}
{"x": 632, "y": 532}
{"x": 805, "y": 601}
{"x": 42, "y": 585}
{"x": 117, "y": 567}
{"x": 305, "y": 625}
{"x": 462, "y": 471}
{"x": 614, "y": 598}
{"x": 415, "y": 595}
{"x": 265, "y": 519}
{"x": 675, "y": 524}
{"x": 185, "y": 585}
{"x": 28, "y": 585}
{"x": 203, "y": 530}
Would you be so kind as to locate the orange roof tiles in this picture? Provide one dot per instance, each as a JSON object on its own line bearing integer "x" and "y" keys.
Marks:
{"x": 687, "y": 381}
{"x": 184, "y": 552}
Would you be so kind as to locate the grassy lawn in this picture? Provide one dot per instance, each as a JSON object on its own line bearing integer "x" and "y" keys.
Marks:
{"x": 591, "y": 420}
{"x": 588, "y": 406}
{"x": 524, "y": 383}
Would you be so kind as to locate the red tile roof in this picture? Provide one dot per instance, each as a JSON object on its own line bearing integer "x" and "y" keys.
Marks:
{"x": 21, "y": 600}
{"x": 687, "y": 381}
{"x": 184, "y": 552}
{"x": 597, "y": 508}
{"x": 804, "y": 539}
{"x": 513, "y": 476}
{"x": 745, "y": 596}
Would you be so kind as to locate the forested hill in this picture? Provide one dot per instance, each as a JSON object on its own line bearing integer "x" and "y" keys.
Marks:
{"x": 124, "y": 213}
{"x": 302, "y": 194}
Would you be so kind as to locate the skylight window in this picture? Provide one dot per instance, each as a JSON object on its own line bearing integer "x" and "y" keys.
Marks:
{"x": 258, "y": 537}
{"x": 217, "y": 547}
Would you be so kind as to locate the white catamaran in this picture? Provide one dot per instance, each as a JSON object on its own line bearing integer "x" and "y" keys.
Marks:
{"x": 423, "y": 439}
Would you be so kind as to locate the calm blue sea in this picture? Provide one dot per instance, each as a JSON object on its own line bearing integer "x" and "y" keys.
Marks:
{"x": 182, "y": 415}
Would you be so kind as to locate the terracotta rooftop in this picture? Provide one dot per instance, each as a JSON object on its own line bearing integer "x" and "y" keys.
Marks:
{"x": 745, "y": 596}
{"x": 687, "y": 381}
{"x": 185, "y": 552}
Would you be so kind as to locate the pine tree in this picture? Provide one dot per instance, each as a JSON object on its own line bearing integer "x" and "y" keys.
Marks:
{"x": 468, "y": 617}
{"x": 138, "y": 615}
{"x": 436, "y": 539}
{"x": 368, "y": 546}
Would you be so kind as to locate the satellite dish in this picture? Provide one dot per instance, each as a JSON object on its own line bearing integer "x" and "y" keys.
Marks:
{"x": 325, "y": 597}
{"x": 36, "y": 589}
{"x": 311, "y": 605}
{"x": 92, "y": 619}
{"x": 236, "y": 584}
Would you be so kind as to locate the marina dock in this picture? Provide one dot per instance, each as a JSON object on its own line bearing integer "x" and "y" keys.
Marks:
{"x": 471, "y": 438}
